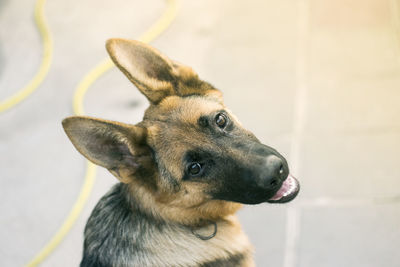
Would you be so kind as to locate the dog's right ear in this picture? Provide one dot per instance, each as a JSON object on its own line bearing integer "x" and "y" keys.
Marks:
{"x": 121, "y": 148}
{"x": 155, "y": 75}
{"x": 148, "y": 69}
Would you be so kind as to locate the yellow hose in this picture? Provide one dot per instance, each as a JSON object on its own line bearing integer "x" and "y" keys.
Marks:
{"x": 44, "y": 67}
{"x": 155, "y": 30}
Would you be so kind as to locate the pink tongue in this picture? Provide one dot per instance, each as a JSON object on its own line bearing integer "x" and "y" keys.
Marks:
{"x": 284, "y": 188}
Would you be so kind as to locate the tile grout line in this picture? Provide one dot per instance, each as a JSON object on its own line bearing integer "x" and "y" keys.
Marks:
{"x": 293, "y": 214}
{"x": 347, "y": 202}
{"x": 395, "y": 21}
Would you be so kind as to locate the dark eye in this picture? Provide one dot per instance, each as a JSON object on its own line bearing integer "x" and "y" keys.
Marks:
{"x": 221, "y": 120}
{"x": 195, "y": 168}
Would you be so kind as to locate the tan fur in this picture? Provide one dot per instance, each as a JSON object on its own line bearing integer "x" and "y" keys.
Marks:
{"x": 230, "y": 240}
{"x": 182, "y": 207}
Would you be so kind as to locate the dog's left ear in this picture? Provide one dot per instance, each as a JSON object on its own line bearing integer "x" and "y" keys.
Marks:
{"x": 119, "y": 147}
{"x": 155, "y": 75}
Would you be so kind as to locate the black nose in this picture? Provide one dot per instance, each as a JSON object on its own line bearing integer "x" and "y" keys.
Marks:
{"x": 275, "y": 171}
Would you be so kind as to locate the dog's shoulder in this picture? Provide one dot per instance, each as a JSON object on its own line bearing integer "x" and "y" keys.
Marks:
{"x": 116, "y": 231}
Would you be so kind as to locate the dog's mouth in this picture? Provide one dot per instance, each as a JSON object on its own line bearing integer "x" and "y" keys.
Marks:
{"x": 287, "y": 192}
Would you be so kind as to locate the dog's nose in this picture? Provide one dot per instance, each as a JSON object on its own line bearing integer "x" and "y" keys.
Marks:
{"x": 275, "y": 171}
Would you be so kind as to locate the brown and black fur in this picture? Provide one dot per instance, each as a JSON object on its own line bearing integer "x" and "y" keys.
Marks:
{"x": 149, "y": 218}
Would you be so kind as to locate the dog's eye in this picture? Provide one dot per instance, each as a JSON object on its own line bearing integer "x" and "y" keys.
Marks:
{"x": 195, "y": 168}
{"x": 221, "y": 120}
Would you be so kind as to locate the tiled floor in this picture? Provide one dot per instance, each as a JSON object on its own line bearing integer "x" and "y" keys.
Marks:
{"x": 317, "y": 79}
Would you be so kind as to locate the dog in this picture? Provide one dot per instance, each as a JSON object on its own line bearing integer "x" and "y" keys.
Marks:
{"x": 183, "y": 171}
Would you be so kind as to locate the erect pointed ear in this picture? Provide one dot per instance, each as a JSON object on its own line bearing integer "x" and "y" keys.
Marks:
{"x": 151, "y": 72}
{"x": 121, "y": 148}
{"x": 154, "y": 75}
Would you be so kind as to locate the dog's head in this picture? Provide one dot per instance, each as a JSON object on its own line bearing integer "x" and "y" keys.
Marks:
{"x": 189, "y": 156}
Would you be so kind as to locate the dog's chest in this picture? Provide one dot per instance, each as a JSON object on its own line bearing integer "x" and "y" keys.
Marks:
{"x": 176, "y": 246}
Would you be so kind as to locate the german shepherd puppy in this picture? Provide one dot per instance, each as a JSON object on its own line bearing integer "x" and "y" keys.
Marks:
{"x": 184, "y": 171}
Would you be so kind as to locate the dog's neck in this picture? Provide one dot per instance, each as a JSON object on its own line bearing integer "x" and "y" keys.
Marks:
{"x": 210, "y": 211}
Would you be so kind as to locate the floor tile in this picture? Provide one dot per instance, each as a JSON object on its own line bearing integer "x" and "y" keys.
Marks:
{"x": 359, "y": 236}
{"x": 350, "y": 166}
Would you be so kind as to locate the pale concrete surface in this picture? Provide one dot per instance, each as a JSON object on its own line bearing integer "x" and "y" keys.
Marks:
{"x": 318, "y": 80}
